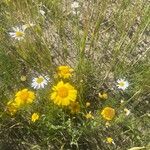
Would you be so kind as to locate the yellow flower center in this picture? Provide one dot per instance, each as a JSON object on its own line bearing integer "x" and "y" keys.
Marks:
{"x": 108, "y": 113}
{"x": 24, "y": 95}
{"x": 40, "y": 80}
{"x": 65, "y": 70}
{"x": 62, "y": 92}
{"x": 19, "y": 33}
{"x": 121, "y": 84}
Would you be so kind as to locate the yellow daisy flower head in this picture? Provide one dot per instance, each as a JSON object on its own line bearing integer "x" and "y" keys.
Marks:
{"x": 64, "y": 71}
{"x": 63, "y": 94}
{"x": 103, "y": 95}
{"x": 11, "y": 107}
{"x": 108, "y": 113}
{"x": 89, "y": 116}
{"x": 34, "y": 117}
{"x": 24, "y": 97}
{"x": 109, "y": 140}
{"x": 74, "y": 107}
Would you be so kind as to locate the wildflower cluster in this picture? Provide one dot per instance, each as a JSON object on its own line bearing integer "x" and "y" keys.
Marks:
{"x": 62, "y": 94}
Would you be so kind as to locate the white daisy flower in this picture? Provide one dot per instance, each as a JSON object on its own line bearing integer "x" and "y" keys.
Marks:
{"x": 122, "y": 84}
{"x": 74, "y": 5}
{"x": 18, "y": 33}
{"x": 39, "y": 82}
{"x": 127, "y": 111}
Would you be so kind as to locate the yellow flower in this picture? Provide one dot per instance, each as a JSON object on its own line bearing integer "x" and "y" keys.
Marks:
{"x": 65, "y": 71}
{"x": 103, "y": 95}
{"x": 74, "y": 107}
{"x": 11, "y": 108}
{"x": 109, "y": 140}
{"x": 24, "y": 97}
{"x": 34, "y": 117}
{"x": 63, "y": 94}
{"x": 89, "y": 116}
{"x": 108, "y": 113}
{"x": 87, "y": 104}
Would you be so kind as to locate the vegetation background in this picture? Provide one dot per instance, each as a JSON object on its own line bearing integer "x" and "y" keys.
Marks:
{"x": 103, "y": 40}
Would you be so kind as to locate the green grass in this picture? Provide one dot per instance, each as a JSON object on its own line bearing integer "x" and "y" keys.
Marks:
{"x": 105, "y": 41}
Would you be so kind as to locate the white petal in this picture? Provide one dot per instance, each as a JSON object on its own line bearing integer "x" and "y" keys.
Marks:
{"x": 42, "y": 85}
{"x": 12, "y": 33}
